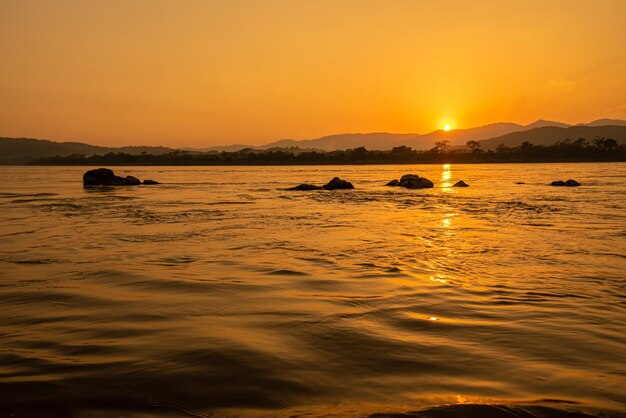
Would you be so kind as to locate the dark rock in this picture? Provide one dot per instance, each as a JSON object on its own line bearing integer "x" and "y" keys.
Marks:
{"x": 305, "y": 187}
{"x": 460, "y": 183}
{"x": 409, "y": 177}
{"x": 150, "y": 182}
{"x": 423, "y": 183}
{"x": 337, "y": 183}
{"x": 106, "y": 177}
{"x": 413, "y": 181}
{"x": 132, "y": 181}
{"x": 569, "y": 183}
{"x": 520, "y": 182}
{"x": 427, "y": 184}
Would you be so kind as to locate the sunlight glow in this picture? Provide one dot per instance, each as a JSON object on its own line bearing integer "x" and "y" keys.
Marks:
{"x": 446, "y": 176}
{"x": 447, "y": 127}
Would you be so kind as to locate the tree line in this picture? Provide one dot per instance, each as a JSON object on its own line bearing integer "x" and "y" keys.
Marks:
{"x": 598, "y": 149}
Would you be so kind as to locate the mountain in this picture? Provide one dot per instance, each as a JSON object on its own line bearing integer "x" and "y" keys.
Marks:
{"x": 386, "y": 141}
{"x": 227, "y": 148}
{"x": 541, "y": 132}
{"x": 378, "y": 140}
{"x": 549, "y": 135}
{"x": 605, "y": 122}
{"x": 542, "y": 123}
{"x": 461, "y": 136}
{"x": 23, "y": 150}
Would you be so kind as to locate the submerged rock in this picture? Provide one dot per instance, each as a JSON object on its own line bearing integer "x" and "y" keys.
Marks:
{"x": 409, "y": 177}
{"x": 412, "y": 181}
{"x": 150, "y": 182}
{"x": 305, "y": 187}
{"x": 337, "y": 183}
{"x": 106, "y": 177}
{"x": 132, "y": 181}
{"x": 422, "y": 183}
{"x": 568, "y": 183}
{"x": 460, "y": 183}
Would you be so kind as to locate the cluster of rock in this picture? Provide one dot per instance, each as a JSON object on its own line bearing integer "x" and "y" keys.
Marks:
{"x": 412, "y": 181}
{"x": 106, "y": 177}
{"x": 335, "y": 184}
{"x": 568, "y": 183}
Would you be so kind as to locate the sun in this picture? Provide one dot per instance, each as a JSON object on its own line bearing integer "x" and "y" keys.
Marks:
{"x": 447, "y": 127}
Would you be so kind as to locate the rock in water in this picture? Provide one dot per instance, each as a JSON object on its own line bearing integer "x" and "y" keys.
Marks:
{"x": 422, "y": 183}
{"x": 132, "y": 181}
{"x": 460, "y": 183}
{"x": 393, "y": 183}
{"x": 569, "y": 183}
{"x": 413, "y": 181}
{"x": 337, "y": 183}
{"x": 408, "y": 177}
{"x": 106, "y": 177}
{"x": 305, "y": 187}
{"x": 150, "y": 182}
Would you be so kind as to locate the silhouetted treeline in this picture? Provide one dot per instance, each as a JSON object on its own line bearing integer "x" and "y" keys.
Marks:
{"x": 600, "y": 149}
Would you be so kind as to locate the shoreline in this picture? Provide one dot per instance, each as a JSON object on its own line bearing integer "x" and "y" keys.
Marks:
{"x": 273, "y": 164}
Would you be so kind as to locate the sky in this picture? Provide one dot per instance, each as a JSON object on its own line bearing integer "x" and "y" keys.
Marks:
{"x": 201, "y": 73}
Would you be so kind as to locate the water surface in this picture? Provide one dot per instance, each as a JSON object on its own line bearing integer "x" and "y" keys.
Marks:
{"x": 219, "y": 293}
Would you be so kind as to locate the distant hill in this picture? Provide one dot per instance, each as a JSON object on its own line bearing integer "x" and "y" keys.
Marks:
{"x": 461, "y": 136}
{"x": 23, "y": 150}
{"x": 542, "y": 123}
{"x": 541, "y": 132}
{"x": 549, "y": 135}
{"x": 604, "y": 122}
{"x": 386, "y": 141}
{"x": 376, "y": 140}
{"x": 331, "y": 142}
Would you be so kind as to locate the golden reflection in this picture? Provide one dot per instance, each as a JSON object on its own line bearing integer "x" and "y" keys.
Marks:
{"x": 422, "y": 316}
{"x": 438, "y": 280}
{"x": 446, "y": 220}
{"x": 446, "y": 175}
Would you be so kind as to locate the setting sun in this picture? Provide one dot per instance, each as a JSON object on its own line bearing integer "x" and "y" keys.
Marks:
{"x": 447, "y": 128}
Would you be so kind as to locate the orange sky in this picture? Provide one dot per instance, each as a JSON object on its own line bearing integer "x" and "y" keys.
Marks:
{"x": 200, "y": 73}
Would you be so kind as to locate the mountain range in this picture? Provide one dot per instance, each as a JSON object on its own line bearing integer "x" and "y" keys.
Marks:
{"x": 541, "y": 132}
{"x": 23, "y": 150}
{"x": 386, "y": 141}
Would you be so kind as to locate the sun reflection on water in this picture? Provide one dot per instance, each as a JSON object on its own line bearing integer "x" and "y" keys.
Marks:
{"x": 446, "y": 175}
{"x": 438, "y": 280}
